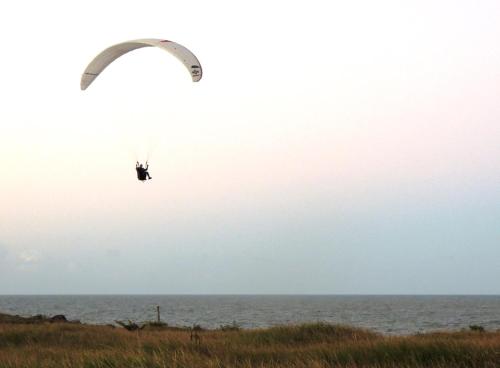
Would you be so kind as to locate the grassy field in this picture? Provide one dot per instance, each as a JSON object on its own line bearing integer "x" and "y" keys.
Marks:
{"x": 310, "y": 345}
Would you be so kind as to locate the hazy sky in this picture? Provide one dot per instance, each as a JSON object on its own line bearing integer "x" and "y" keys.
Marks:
{"x": 331, "y": 147}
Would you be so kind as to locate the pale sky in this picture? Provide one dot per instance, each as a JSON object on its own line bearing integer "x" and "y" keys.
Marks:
{"x": 331, "y": 147}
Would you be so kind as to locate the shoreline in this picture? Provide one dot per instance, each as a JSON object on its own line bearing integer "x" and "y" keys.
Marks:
{"x": 130, "y": 325}
{"x": 392, "y": 315}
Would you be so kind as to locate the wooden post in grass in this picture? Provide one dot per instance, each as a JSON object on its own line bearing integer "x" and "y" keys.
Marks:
{"x": 158, "y": 313}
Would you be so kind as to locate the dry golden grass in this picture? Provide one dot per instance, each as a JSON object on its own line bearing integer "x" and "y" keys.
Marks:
{"x": 310, "y": 345}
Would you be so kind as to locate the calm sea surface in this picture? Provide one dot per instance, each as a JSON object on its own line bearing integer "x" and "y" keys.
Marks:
{"x": 386, "y": 314}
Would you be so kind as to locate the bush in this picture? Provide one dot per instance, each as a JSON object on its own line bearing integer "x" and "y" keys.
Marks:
{"x": 476, "y": 328}
{"x": 230, "y": 327}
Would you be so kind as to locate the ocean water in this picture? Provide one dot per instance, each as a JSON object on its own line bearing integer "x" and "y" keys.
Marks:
{"x": 386, "y": 314}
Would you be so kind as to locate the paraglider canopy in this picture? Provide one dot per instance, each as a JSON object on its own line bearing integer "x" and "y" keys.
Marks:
{"x": 112, "y": 53}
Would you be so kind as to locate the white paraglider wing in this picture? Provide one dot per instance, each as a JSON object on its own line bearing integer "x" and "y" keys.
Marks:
{"x": 112, "y": 53}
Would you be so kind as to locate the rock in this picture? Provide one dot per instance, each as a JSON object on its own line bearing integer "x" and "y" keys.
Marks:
{"x": 58, "y": 318}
